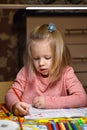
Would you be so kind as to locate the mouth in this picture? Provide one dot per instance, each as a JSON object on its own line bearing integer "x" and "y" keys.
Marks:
{"x": 44, "y": 71}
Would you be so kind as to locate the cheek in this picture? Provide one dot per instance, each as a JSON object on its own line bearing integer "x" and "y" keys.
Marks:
{"x": 35, "y": 64}
{"x": 50, "y": 64}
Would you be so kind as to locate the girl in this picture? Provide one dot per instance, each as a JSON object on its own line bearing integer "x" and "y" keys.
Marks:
{"x": 47, "y": 80}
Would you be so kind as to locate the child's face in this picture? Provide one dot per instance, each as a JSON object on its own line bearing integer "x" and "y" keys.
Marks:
{"x": 42, "y": 57}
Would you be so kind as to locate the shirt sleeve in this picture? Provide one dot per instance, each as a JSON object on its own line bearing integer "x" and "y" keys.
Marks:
{"x": 19, "y": 84}
{"x": 77, "y": 96}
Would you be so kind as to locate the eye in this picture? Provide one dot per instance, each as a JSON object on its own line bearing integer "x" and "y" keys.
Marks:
{"x": 36, "y": 58}
{"x": 48, "y": 57}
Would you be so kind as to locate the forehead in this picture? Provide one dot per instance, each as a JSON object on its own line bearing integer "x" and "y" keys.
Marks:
{"x": 41, "y": 46}
{"x": 41, "y": 43}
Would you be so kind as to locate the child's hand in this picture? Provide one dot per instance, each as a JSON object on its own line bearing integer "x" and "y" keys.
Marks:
{"x": 39, "y": 102}
{"x": 20, "y": 108}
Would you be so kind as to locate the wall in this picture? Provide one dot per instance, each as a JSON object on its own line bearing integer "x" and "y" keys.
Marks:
{"x": 76, "y": 39}
{"x": 12, "y": 42}
{"x": 8, "y": 46}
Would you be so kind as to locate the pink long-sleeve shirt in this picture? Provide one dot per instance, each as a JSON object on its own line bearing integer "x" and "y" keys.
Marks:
{"x": 66, "y": 92}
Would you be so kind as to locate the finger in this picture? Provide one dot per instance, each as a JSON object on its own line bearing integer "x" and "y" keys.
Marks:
{"x": 35, "y": 100}
{"x": 37, "y": 105}
{"x": 27, "y": 110}
{"x": 25, "y": 106}
{"x": 22, "y": 110}
{"x": 22, "y": 113}
{"x": 16, "y": 112}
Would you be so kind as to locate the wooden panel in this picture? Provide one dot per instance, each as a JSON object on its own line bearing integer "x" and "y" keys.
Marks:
{"x": 4, "y": 86}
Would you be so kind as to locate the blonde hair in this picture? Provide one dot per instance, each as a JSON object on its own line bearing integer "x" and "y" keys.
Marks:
{"x": 60, "y": 53}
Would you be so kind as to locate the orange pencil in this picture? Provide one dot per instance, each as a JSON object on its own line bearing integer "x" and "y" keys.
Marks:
{"x": 61, "y": 125}
{"x": 20, "y": 123}
{"x": 5, "y": 110}
{"x": 17, "y": 94}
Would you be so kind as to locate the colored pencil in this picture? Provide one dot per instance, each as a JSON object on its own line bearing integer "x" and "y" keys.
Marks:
{"x": 73, "y": 125}
{"x": 61, "y": 125}
{"x": 66, "y": 126}
{"x": 53, "y": 125}
{"x": 57, "y": 126}
{"x": 20, "y": 123}
{"x": 5, "y": 111}
{"x": 78, "y": 125}
{"x": 49, "y": 126}
{"x": 69, "y": 125}
{"x": 17, "y": 94}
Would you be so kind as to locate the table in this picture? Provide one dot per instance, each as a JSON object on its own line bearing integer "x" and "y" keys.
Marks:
{"x": 43, "y": 124}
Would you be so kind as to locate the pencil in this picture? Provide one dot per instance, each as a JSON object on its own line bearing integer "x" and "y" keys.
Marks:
{"x": 53, "y": 125}
{"x": 61, "y": 125}
{"x": 57, "y": 126}
{"x": 49, "y": 126}
{"x": 20, "y": 123}
{"x": 17, "y": 94}
{"x": 5, "y": 111}
{"x": 73, "y": 125}
{"x": 66, "y": 126}
{"x": 78, "y": 125}
{"x": 69, "y": 125}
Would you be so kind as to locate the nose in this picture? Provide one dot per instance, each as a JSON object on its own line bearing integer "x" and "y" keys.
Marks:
{"x": 41, "y": 63}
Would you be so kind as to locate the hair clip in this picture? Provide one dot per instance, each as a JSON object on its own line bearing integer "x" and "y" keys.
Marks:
{"x": 51, "y": 27}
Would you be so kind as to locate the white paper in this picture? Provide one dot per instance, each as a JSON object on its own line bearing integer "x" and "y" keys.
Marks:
{"x": 35, "y": 127}
{"x": 55, "y": 113}
{"x": 8, "y": 125}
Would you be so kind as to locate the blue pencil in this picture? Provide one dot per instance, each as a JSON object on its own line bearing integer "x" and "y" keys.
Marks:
{"x": 53, "y": 125}
{"x": 73, "y": 125}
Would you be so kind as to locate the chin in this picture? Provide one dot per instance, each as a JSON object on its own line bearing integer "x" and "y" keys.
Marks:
{"x": 45, "y": 75}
